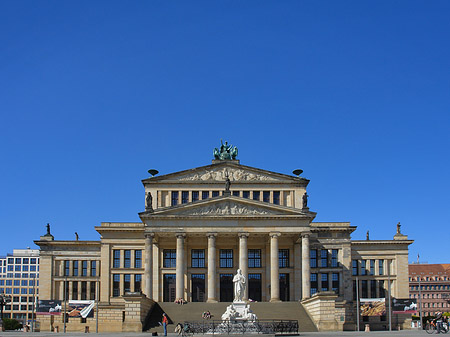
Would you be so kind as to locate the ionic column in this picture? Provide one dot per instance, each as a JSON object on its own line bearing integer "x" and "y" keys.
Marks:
{"x": 306, "y": 270}
{"x": 243, "y": 259}
{"x": 148, "y": 265}
{"x": 212, "y": 268}
{"x": 179, "y": 292}
{"x": 297, "y": 271}
{"x": 274, "y": 268}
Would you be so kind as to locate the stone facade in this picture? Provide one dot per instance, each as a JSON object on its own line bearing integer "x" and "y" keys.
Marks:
{"x": 193, "y": 236}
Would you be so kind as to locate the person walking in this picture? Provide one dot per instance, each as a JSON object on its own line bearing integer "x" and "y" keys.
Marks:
{"x": 439, "y": 322}
{"x": 164, "y": 323}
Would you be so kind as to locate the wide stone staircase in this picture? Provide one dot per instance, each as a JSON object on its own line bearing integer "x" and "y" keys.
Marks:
{"x": 193, "y": 312}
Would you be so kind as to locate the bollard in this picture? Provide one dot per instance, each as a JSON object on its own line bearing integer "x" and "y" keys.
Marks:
{"x": 86, "y": 329}
{"x": 367, "y": 328}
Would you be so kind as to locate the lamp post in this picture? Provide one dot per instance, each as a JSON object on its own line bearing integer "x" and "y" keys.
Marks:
{"x": 420, "y": 300}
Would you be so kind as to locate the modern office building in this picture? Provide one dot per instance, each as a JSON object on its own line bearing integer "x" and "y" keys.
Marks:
{"x": 198, "y": 227}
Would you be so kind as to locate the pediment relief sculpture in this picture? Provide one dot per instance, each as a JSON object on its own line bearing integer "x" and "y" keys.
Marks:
{"x": 220, "y": 174}
{"x": 227, "y": 209}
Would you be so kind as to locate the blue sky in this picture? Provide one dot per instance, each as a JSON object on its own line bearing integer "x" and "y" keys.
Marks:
{"x": 355, "y": 93}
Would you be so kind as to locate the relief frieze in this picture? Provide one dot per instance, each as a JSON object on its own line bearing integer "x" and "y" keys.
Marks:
{"x": 220, "y": 175}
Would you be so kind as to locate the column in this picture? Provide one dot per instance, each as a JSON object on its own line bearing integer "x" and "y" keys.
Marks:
{"x": 297, "y": 271}
{"x": 243, "y": 259}
{"x": 211, "y": 268}
{"x": 179, "y": 292}
{"x": 306, "y": 271}
{"x": 274, "y": 268}
{"x": 148, "y": 265}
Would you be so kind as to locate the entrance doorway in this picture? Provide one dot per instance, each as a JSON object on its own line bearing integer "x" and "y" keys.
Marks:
{"x": 284, "y": 287}
{"x": 254, "y": 287}
{"x": 198, "y": 287}
{"x": 169, "y": 285}
{"x": 226, "y": 288}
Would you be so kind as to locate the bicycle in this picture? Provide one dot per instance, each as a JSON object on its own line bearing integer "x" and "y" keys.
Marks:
{"x": 431, "y": 327}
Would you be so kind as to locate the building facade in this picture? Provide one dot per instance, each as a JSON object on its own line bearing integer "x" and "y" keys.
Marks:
{"x": 199, "y": 226}
{"x": 430, "y": 285}
{"x": 19, "y": 281}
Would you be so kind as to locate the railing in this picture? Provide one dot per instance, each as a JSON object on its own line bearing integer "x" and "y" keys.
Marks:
{"x": 242, "y": 327}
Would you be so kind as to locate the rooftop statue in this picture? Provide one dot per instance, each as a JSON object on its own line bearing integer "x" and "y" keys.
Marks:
{"x": 225, "y": 152}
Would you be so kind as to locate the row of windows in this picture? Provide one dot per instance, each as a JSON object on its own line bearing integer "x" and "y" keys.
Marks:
{"x": 23, "y": 260}
{"x": 17, "y": 291}
{"x": 16, "y": 283}
{"x": 371, "y": 286}
{"x": 367, "y": 267}
{"x": 225, "y": 258}
{"x": 436, "y": 278}
{"x": 83, "y": 289}
{"x": 16, "y": 307}
{"x": 435, "y": 287}
{"x": 22, "y": 275}
{"x": 127, "y": 258}
{"x": 322, "y": 280}
{"x": 137, "y": 284}
{"x": 436, "y": 305}
{"x": 195, "y": 196}
{"x": 22, "y": 299}
{"x": 427, "y": 296}
{"x": 324, "y": 260}
{"x": 85, "y": 265}
{"x": 22, "y": 268}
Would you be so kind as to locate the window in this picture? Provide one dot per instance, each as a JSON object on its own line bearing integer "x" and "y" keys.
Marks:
{"x": 137, "y": 283}
{"x": 17, "y": 268}
{"x": 254, "y": 258}
{"x": 276, "y": 197}
{"x": 116, "y": 285}
{"x": 169, "y": 256}
{"x": 215, "y": 194}
{"x": 363, "y": 267}
{"x": 256, "y": 195}
{"x": 381, "y": 290}
{"x": 66, "y": 268}
{"x": 314, "y": 283}
{"x": 313, "y": 258}
{"x": 184, "y": 197}
{"x": 24, "y": 268}
{"x": 75, "y": 268}
{"x": 33, "y": 260}
{"x": 18, "y": 260}
{"x": 127, "y": 259}
{"x": 335, "y": 282}
{"x": 324, "y": 283}
{"x": 84, "y": 290}
{"x": 174, "y": 198}
{"x": 354, "y": 267}
{"x": 25, "y": 260}
{"x": 16, "y": 283}
{"x": 246, "y": 194}
{"x": 364, "y": 289}
{"x": 195, "y": 196}
{"x": 126, "y": 283}
{"x": 24, "y": 283}
{"x": 10, "y": 260}
{"x": 93, "y": 268}
{"x": 138, "y": 259}
{"x": 75, "y": 290}
{"x": 198, "y": 258}
{"x": 226, "y": 258}
{"x": 32, "y": 268}
{"x": 205, "y": 195}
{"x": 380, "y": 267}
{"x": 92, "y": 294}
{"x": 10, "y": 268}
{"x": 84, "y": 268}
{"x": 324, "y": 258}
{"x": 116, "y": 258}
{"x": 334, "y": 258}
{"x": 266, "y": 196}
{"x": 372, "y": 267}
{"x": 283, "y": 258}
{"x": 23, "y": 291}
{"x": 373, "y": 289}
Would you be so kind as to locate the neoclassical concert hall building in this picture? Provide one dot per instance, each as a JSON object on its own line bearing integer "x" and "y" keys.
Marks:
{"x": 200, "y": 225}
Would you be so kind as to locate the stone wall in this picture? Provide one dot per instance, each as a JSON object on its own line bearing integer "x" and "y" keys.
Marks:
{"x": 322, "y": 309}
{"x": 137, "y": 307}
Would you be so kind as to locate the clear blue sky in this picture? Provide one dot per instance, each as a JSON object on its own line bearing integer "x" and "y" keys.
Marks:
{"x": 355, "y": 93}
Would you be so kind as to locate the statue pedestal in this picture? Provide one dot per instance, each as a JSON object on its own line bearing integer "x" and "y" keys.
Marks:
{"x": 239, "y": 311}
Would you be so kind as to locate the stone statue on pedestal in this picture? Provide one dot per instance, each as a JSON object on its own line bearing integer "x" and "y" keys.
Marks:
{"x": 305, "y": 200}
{"x": 149, "y": 202}
{"x": 239, "y": 286}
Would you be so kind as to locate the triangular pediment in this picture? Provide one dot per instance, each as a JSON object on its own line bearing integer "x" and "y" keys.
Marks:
{"x": 218, "y": 172}
{"x": 228, "y": 206}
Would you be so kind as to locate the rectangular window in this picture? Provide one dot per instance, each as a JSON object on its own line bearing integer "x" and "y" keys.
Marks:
{"x": 314, "y": 283}
{"x": 75, "y": 268}
{"x": 324, "y": 258}
{"x": 169, "y": 258}
{"x": 215, "y": 194}
{"x": 313, "y": 258}
{"x": 17, "y": 268}
{"x": 174, "y": 198}
{"x": 24, "y": 268}
{"x": 380, "y": 267}
{"x": 266, "y": 196}
{"x": 205, "y": 195}
{"x": 26, "y": 260}
{"x": 226, "y": 258}
{"x": 10, "y": 260}
{"x": 254, "y": 258}
{"x": 32, "y": 268}
{"x": 236, "y": 193}
{"x": 256, "y": 195}
{"x": 92, "y": 294}
{"x": 335, "y": 282}
{"x": 66, "y": 268}
{"x": 24, "y": 283}
{"x": 17, "y": 283}
{"x": 10, "y": 268}
{"x": 23, "y": 291}
{"x": 198, "y": 258}
{"x": 283, "y": 258}
{"x": 372, "y": 267}
{"x": 184, "y": 197}
{"x": 364, "y": 289}
{"x": 138, "y": 259}
{"x": 334, "y": 258}
{"x": 127, "y": 258}
{"x": 116, "y": 285}
{"x": 18, "y": 260}
{"x": 75, "y": 290}
{"x": 246, "y": 194}
{"x": 324, "y": 283}
{"x": 126, "y": 283}
{"x": 373, "y": 289}
{"x": 116, "y": 258}
{"x": 33, "y": 260}
{"x": 84, "y": 290}
{"x": 93, "y": 268}
{"x": 84, "y": 268}
{"x": 354, "y": 267}
{"x": 137, "y": 283}
{"x": 276, "y": 197}
{"x": 195, "y": 196}
{"x": 363, "y": 267}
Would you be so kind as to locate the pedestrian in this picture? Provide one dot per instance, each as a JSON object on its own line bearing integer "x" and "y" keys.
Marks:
{"x": 164, "y": 322}
{"x": 439, "y": 322}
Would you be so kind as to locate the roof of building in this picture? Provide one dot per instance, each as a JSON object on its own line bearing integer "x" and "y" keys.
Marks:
{"x": 429, "y": 269}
